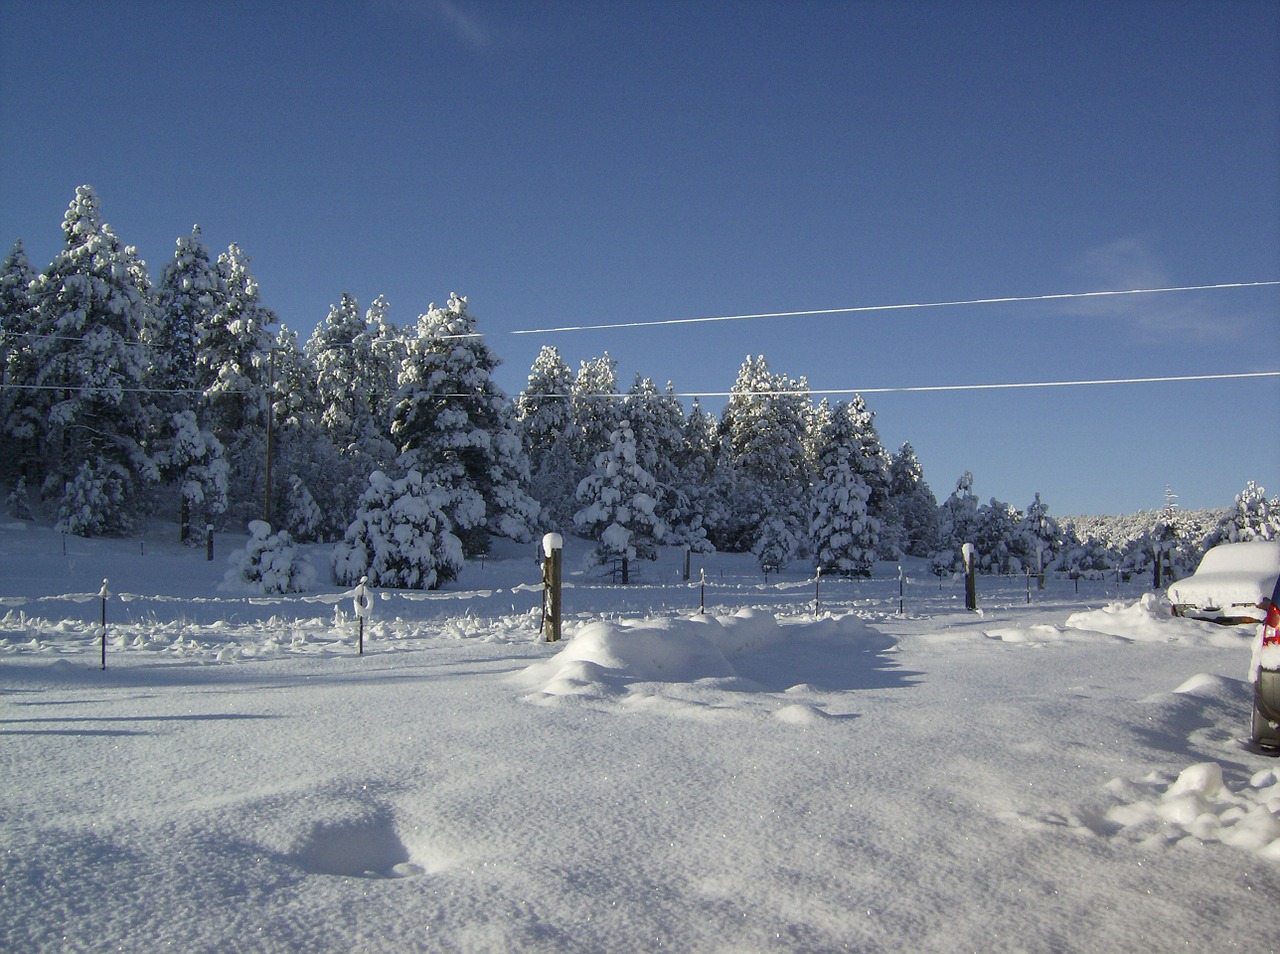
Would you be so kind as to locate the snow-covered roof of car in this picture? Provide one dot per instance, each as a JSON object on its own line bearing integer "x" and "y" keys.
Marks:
{"x": 1231, "y": 574}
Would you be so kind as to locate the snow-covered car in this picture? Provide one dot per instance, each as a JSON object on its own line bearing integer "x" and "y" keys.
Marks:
{"x": 1230, "y": 584}
{"x": 1265, "y": 728}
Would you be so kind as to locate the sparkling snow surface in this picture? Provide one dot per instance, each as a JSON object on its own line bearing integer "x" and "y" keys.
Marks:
{"x": 1068, "y": 775}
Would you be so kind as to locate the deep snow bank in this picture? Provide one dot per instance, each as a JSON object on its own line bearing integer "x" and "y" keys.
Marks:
{"x": 714, "y": 653}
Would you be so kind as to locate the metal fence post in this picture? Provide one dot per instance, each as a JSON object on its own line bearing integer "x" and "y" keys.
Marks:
{"x": 103, "y": 594}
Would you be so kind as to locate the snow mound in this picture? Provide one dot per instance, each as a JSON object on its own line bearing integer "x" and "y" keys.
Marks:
{"x": 801, "y": 714}
{"x": 710, "y": 656}
{"x": 1199, "y": 807}
{"x": 660, "y": 650}
{"x": 1203, "y": 684}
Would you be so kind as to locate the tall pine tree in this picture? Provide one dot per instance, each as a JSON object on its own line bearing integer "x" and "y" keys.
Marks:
{"x": 764, "y": 425}
{"x": 19, "y": 415}
{"x": 455, "y": 425}
{"x": 547, "y": 427}
{"x": 90, "y": 307}
{"x": 842, "y": 532}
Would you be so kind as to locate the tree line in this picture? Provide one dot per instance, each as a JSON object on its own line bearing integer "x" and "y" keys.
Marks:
{"x": 122, "y": 398}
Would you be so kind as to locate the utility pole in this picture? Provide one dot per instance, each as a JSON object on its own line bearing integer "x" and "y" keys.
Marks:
{"x": 271, "y": 405}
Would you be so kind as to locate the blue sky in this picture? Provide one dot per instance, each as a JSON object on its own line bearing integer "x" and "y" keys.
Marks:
{"x": 575, "y": 163}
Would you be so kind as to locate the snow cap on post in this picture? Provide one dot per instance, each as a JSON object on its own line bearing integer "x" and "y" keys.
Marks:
{"x": 362, "y": 598}
{"x": 969, "y": 553}
{"x": 552, "y": 541}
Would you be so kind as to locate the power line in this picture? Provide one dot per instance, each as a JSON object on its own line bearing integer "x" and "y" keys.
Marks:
{"x": 856, "y": 309}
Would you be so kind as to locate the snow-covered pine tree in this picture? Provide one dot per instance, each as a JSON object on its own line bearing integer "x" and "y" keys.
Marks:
{"x": 19, "y": 415}
{"x": 764, "y": 427}
{"x": 18, "y": 502}
{"x": 543, "y": 407}
{"x": 1253, "y": 517}
{"x": 455, "y": 425}
{"x": 190, "y": 290}
{"x": 545, "y": 415}
{"x": 871, "y": 463}
{"x": 302, "y": 515}
{"x": 1087, "y": 559}
{"x": 657, "y": 421}
{"x": 233, "y": 371}
{"x": 957, "y": 524}
{"x": 596, "y": 410}
{"x": 301, "y": 447}
{"x": 914, "y": 503}
{"x": 842, "y": 533}
{"x": 1041, "y": 537}
{"x": 819, "y": 421}
{"x": 385, "y": 354}
{"x": 91, "y": 305}
{"x": 17, "y": 314}
{"x": 700, "y": 447}
{"x": 620, "y": 502}
{"x": 343, "y": 390}
{"x": 192, "y": 457}
{"x": 776, "y": 543}
{"x": 710, "y": 477}
{"x": 400, "y": 536}
{"x": 1166, "y": 537}
{"x": 996, "y": 537}
{"x": 356, "y": 361}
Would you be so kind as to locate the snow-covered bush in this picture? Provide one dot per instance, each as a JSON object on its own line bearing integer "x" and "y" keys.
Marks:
{"x": 18, "y": 502}
{"x": 1087, "y": 559}
{"x": 1252, "y": 518}
{"x": 95, "y": 501}
{"x": 400, "y": 537}
{"x": 304, "y": 519}
{"x": 270, "y": 562}
{"x": 776, "y": 544}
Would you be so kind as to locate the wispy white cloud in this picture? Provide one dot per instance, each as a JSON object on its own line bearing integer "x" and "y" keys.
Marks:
{"x": 466, "y": 24}
{"x": 1133, "y": 262}
{"x": 463, "y": 21}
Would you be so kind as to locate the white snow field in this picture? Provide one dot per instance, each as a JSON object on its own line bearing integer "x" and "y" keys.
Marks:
{"x": 1068, "y": 774}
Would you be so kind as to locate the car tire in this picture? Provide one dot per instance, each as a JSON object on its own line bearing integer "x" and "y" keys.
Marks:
{"x": 1262, "y": 732}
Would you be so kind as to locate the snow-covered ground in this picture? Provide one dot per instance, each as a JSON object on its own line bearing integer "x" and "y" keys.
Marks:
{"x": 1067, "y": 774}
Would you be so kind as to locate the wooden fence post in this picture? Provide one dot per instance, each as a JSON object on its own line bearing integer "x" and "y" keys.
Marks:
{"x": 552, "y": 550}
{"x": 970, "y": 555}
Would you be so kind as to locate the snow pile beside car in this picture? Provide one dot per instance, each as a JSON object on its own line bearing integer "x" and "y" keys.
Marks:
{"x": 1149, "y": 620}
